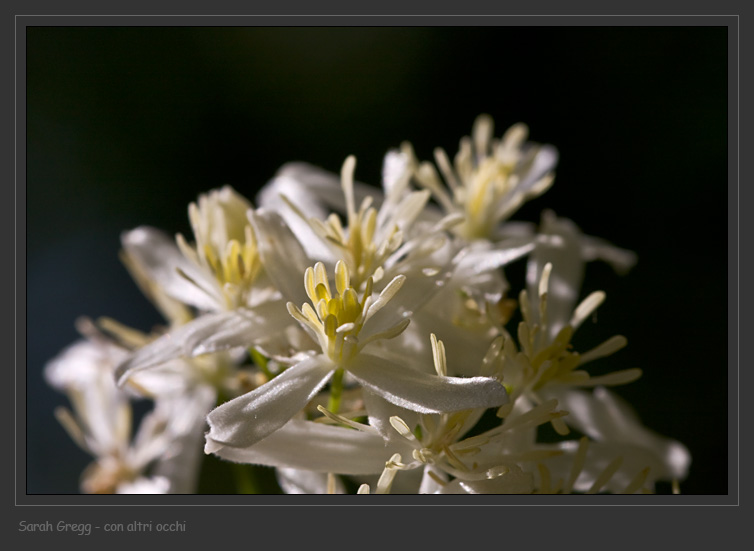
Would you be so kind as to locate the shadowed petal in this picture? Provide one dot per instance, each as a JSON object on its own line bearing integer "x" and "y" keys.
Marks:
{"x": 559, "y": 244}
{"x": 282, "y": 255}
{"x": 162, "y": 260}
{"x": 316, "y": 447}
{"x": 208, "y": 333}
{"x": 605, "y": 417}
{"x": 544, "y": 161}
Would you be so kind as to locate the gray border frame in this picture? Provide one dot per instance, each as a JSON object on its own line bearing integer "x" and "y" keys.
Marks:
{"x": 173, "y": 507}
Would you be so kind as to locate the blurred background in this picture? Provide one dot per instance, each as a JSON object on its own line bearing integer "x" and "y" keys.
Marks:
{"x": 126, "y": 126}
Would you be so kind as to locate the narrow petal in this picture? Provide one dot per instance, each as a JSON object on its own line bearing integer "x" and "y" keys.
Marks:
{"x": 425, "y": 393}
{"x": 481, "y": 256}
{"x": 244, "y": 421}
{"x": 161, "y": 259}
{"x": 418, "y": 289}
{"x": 514, "y": 481}
{"x": 299, "y": 481}
{"x": 316, "y": 447}
{"x": 433, "y": 480}
{"x": 282, "y": 255}
{"x": 380, "y": 411}
{"x": 187, "y": 413}
{"x": 559, "y": 245}
{"x": 314, "y": 192}
{"x": 599, "y": 456}
{"x": 605, "y": 417}
{"x": 313, "y": 189}
{"x": 209, "y": 333}
{"x": 543, "y": 163}
{"x": 594, "y": 248}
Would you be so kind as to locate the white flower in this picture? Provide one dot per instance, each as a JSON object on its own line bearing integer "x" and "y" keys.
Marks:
{"x": 344, "y": 324}
{"x": 489, "y": 179}
{"x": 550, "y": 317}
{"x": 617, "y": 432}
{"x": 345, "y": 376}
{"x": 378, "y": 241}
{"x": 165, "y": 454}
{"x": 221, "y": 270}
{"x": 453, "y": 462}
{"x": 238, "y": 303}
{"x": 100, "y": 422}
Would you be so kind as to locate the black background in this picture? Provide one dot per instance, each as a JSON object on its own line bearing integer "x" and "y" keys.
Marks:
{"x": 126, "y": 126}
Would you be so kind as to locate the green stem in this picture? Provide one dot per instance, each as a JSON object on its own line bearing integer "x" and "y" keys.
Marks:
{"x": 336, "y": 389}
{"x": 261, "y": 361}
{"x": 245, "y": 479}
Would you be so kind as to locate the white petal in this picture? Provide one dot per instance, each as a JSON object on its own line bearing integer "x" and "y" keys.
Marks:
{"x": 515, "y": 481}
{"x": 594, "y": 248}
{"x": 316, "y": 447}
{"x": 605, "y": 417}
{"x": 81, "y": 363}
{"x": 544, "y": 162}
{"x": 244, "y": 421}
{"x": 558, "y": 244}
{"x": 429, "y": 484}
{"x": 514, "y": 228}
{"x": 482, "y": 256}
{"x": 425, "y": 393}
{"x": 396, "y": 167}
{"x": 313, "y": 189}
{"x": 314, "y": 192}
{"x": 599, "y": 455}
{"x": 187, "y": 422}
{"x": 380, "y": 411}
{"x": 160, "y": 257}
{"x": 209, "y": 333}
{"x": 283, "y": 257}
{"x": 299, "y": 481}
{"x": 416, "y": 290}
{"x": 142, "y": 485}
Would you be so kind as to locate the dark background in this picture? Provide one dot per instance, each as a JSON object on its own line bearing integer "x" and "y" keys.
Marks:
{"x": 126, "y": 126}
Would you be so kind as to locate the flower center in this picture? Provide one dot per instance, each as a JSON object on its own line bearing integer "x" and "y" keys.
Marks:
{"x": 225, "y": 244}
{"x": 372, "y": 238}
{"x": 335, "y": 320}
{"x": 482, "y": 190}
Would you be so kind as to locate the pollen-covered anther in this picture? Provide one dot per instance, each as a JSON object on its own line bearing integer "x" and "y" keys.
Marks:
{"x": 225, "y": 245}
{"x": 335, "y": 320}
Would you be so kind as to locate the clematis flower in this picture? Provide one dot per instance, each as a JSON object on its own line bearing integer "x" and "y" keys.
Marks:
{"x": 100, "y": 421}
{"x": 344, "y": 325}
{"x": 393, "y": 366}
{"x": 377, "y": 241}
{"x": 616, "y": 434}
{"x": 183, "y": 392}
{"x": 220, "y": 271}
{"x": 450, "y": 460}
{"x": 551, "y": 316}
{"x": 222, "y": 276}
{"x": 489, "y": 179}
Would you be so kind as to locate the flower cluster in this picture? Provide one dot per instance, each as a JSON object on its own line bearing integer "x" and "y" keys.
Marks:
{"x": 366, "y": 339}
